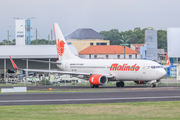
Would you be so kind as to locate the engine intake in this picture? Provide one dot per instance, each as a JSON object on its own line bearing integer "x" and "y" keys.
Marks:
{"x": 98, "y": 79}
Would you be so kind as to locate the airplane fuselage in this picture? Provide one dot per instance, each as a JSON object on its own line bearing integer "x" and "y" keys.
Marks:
{"x": 126, "y": 70}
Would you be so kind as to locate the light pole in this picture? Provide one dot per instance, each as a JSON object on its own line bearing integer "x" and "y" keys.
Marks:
{"x": 8, "y": 36}
{"x": 36, "y": 32}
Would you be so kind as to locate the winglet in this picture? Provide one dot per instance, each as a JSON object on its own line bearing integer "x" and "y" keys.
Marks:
{"x": 14, "y": 65}
{"x": 167, "y": 59}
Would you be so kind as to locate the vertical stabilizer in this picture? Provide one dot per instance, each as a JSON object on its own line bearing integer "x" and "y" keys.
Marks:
{"x": 63, "y": 51}
{"x": 167, "y": 59}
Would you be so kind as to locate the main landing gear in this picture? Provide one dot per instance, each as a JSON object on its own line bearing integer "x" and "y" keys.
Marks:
{"x": 94, "y": 86}
{"x": 120, "y": 84}
{"x": 153, "y": 85}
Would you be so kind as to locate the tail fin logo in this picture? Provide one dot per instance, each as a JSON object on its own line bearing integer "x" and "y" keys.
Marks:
{"x": 60, "y": 47}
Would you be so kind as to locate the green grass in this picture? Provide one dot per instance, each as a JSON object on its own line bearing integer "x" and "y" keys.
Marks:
{"x": 116, "y": 111}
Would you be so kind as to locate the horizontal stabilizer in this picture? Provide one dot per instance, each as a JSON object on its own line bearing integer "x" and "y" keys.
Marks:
{"x": 42, "y": 61}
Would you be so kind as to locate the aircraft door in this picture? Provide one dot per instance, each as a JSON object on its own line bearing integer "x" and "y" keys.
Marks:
{"x": 144, "y": 68}
{"x": 105, "y": 69}
{"x": 66, "y": 66}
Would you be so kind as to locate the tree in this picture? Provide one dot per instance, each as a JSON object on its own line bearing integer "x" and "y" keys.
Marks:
{"x": 40, "y": 42}
{"x": 113, "y": 35}
{"x": 124, "y": 41}
{"x": 136, "y": 36}
{"x": 14, "y": 41}
{"x": 6, "y": 42}
{"x": 162, "y": 39}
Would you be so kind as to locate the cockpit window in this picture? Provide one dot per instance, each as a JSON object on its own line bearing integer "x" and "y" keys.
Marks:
{"x": 153, "y": 67}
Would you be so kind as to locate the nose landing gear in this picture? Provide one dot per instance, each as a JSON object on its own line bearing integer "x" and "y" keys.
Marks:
{"x": 120, "y": 84}
{"x": 153, "y": 85}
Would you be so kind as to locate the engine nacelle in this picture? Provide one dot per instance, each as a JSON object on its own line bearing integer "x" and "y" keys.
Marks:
{"x": 98, "y": 79}
{"x": 140, "y": 82}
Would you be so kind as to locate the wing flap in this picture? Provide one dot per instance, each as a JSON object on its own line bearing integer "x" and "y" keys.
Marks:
{"x": 56, "y": 71}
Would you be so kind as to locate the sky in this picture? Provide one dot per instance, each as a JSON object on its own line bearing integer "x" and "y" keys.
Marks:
{"x": 99, "y": 15}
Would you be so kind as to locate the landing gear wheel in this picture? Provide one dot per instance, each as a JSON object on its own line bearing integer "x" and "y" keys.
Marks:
{"x": 120, "y": 84}
{"x": 153, "y": 85}
{"x": 94, "y": 86}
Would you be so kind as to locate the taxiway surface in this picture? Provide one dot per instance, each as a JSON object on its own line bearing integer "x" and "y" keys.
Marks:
{"x": 89, "y": 97}
{"x": 89, "y": 88}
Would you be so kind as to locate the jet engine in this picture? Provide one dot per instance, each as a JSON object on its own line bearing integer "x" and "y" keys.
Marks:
{"x": 98, "y": 79}
{"x": 140, "y": 82}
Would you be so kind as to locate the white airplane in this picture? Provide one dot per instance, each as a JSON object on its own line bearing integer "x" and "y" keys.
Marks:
{"x": 100, "y": 71}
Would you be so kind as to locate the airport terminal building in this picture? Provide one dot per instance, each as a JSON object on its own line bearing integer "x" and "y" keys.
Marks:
{"x": 21, "y": 54}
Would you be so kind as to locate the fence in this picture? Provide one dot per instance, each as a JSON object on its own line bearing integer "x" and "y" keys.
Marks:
{"x": 80, "y": 82}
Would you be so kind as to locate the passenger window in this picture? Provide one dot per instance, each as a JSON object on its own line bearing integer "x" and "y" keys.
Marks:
{"x": 152, "y": 67}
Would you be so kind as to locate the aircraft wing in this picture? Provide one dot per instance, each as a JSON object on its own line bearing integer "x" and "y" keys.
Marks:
{"x": 42, "y": 61}
{"x": 66, "y": 72}
{"x": 60, "y": 72}
{"x": 56, "y": 71}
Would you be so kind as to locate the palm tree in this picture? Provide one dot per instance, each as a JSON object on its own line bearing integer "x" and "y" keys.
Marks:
{"x": 124, "y": 41}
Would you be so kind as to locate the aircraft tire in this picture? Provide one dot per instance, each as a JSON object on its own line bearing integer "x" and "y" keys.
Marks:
{"x": 121, "y": 84}
{"x": 92, "y": 86}
{"x": 153, "y": 85}
{"x": 118, "y": 84}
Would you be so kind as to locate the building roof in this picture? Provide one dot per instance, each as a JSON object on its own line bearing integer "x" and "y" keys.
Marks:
{"x": 107, "y": 49}
{"x": 31, "y": 51}
{"x": 85, "y": 33}
{"x": 138, "y": 45}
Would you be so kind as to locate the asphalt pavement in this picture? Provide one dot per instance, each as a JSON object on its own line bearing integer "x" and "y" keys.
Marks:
{"x": 89, "y": 88}
{"x": 89, "y": 97}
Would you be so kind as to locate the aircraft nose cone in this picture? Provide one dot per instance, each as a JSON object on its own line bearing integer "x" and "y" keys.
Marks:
{"x": 163, "y": 72}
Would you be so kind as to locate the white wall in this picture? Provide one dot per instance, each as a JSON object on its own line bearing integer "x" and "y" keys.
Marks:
{"x": 132, "y": 47}
{"x": 173, "y": 41}
{"x": 20, "y": 32}
{"x": 113, "y": 56}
